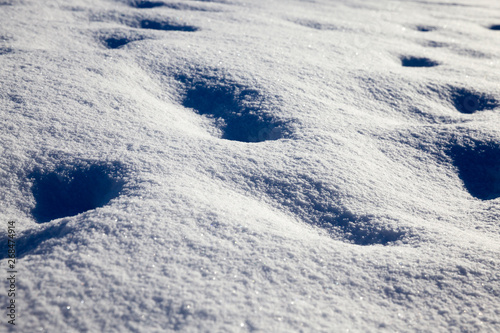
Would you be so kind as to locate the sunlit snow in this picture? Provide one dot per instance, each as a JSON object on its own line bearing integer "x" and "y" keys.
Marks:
{"x": 251, "y": 165}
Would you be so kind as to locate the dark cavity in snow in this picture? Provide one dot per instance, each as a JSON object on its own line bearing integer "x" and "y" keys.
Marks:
{"x": 236, "y": 109}
{"x": 146, "y": 4}
{"x": 410, "y": 61}
{"x": 71, "y": 190}
{"x": 166, "y": 26}
{"x": 479, "y": 168}
{"x": 425, "y": 28}
{"x": 117, "y": 39}
{"x": 216, "y": 1}
{"x": 187, "y": 6}
{"x": 495, "y": 27}
{"x": 467, "y": 101}
{"x": 114, "y": 43}
{"x": 172, "y": 5}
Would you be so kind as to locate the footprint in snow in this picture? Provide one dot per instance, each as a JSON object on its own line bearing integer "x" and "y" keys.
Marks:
{"x": 315, "y": 203}
{"x": 478, "y": 166}
{"x": 73, "y": 189}
{"x": 468, "y": 101}
{"x": 146, "y": 4}
{"x": 164, "y": 25}
{"x": 410, "y": 61}
{"x": 116, "y": 40}
{"x": 170, "y": 5}
{"x": 115, "y": 43}
{"x": 239, "y": 111}
{"x": 425, "y": 28}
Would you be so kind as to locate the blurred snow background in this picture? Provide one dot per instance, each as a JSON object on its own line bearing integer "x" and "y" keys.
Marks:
{"x": 253, "y": 166}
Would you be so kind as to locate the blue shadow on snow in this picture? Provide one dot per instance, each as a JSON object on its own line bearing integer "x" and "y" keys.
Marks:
{"x": 166, "y": 26}
{"x": 146, "y": 4}
{"x": 479, "y": 168}
{"x": 469, "y": 102}
{"x": 69, "y": 191}
{"x": 410, "y": 61}
{"x": 238, "y": 109}
{"x": 30, "y": 241}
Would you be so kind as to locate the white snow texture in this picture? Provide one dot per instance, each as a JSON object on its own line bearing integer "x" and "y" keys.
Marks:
{"x": 251, "y": 165}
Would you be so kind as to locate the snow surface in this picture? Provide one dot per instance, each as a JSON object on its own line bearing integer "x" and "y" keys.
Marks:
{"x": 252, "y": 166}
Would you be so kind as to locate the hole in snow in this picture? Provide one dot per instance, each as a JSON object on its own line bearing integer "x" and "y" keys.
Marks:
{"x": 171, "y": 5}
{"x": 410, "y": 61}
{"x": 425, "y": 28}
{"x": 495, "y": 27}
{"x": 117, "y": 39}
{"x": 187, "y": 6}
{"x": 146, "y": 4}
{"x": 166, "y": 26}
{"x": 71, "y": 190}
{"x": 467, "y": 101}
{"x": 479, "y": 168}
{"x": 114, "y": 43}
{"x": 238, "y": 111}
{"x": 215, "y": 1}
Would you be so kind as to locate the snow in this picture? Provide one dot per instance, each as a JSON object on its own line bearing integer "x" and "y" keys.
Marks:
{"x": 251, "y": 166}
